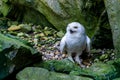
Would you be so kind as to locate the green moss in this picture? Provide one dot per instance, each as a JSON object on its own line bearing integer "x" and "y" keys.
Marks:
{"x": 7, "y": 42}
{"x": 14, "y": 55}
{"x": 59, "y": 14}
{"x": 101, "y": 71}
{"x": 5, "y": 9}
{"x": 36, "y": 73}
{"x": 98, "y": 71}
{"x": 31, "y": 73}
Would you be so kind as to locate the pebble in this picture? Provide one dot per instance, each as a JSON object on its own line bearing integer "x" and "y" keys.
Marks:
{"x": 63, "y": 55}
{"x": 56, "y": 56}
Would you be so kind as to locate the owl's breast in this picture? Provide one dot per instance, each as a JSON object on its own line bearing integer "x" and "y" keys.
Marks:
{"x": 75, "y": 44}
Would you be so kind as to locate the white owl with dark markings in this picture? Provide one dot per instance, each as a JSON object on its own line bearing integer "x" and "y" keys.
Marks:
{"x": 75, "y": 41}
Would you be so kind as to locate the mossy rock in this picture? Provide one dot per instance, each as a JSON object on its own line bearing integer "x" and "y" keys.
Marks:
{"x": 113, "y": 10}
{"x": 64, "y": 65}
{"x": 98, "y": 71}
{"x": 32, "y": 73}
{"x": 57, "y": 14}
{"x": 15, "y": 55}
{"x": 102, "y": 71}
{"x": 35, "y": 73}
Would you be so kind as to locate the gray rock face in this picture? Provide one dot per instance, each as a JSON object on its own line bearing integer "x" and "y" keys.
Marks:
{"x": 113, "y": 10}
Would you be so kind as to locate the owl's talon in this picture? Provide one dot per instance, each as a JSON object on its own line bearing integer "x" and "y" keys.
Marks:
{"x": 71, "y": 59}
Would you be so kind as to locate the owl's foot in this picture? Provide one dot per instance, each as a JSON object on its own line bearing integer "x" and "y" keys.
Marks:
{"x": 79, "y": 61}
{"x": 82, "y": 65}
{"x": 71, "y": 59}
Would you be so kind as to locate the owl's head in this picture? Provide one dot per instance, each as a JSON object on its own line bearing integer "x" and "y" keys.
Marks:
{"x": 75, "y": 28}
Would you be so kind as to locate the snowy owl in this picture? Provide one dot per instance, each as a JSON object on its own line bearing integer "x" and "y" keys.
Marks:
{"x": 75, "y": 41}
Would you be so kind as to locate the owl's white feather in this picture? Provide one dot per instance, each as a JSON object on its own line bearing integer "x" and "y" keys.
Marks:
{"x": 75, "y": 41}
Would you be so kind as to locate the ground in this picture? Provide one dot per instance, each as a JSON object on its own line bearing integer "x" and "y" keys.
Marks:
{"x": 45, "y": 40}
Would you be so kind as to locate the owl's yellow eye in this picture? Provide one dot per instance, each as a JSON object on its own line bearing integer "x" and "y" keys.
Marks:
{"x": 75, "y": 27}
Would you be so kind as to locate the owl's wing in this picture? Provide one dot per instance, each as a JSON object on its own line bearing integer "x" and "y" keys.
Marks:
{"x": 88, "y": 41}
{"x": 63, "y": 45}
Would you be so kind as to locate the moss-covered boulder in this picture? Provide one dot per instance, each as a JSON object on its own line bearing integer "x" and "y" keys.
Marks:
{"x": 64, "y": 66}
{"x": 98, "y": 71}
{"x": 35, "y": 73}
{"x": 32, "y": 73}
{"x": 15, "y": 55}
{"x": 57, "y": 13}
{"x": 101, "y": 71}
{"x": 113, "y": 10}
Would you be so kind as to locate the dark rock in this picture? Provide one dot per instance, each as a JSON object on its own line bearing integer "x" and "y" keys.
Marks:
{"x": 15, "y": 55}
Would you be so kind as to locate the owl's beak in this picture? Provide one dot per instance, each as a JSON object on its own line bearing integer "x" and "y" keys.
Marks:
{"x": 71, "y": 31}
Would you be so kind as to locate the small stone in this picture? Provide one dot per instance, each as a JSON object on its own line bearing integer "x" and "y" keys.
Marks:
{"x": 87, "y": 66}
{"x": 20, "y": 34}
{"x": 47, "y": 33}
{"x": 35, "y": 41}
{"x": 41, "y": 34}
{"x": 112, "y": 54}
{"x": 27, "y": 35}
{"x": 104, "y": 56}
{"x": 51, "y": 54}
{"x": 25, "y": 27}
{"x": 39, "y": 45}
{"x": 57, "y": 52}
{"x": 63, "y": 55}
{"x": 44, "y": 58}
{"x": 44, "y": 38}
{"x": 56, "y": 56}
{"x": 96, "y": 60}
{"x": 37, "y": 36}
{"x": 14, "y": 28}
{"x": 60, "y": 34}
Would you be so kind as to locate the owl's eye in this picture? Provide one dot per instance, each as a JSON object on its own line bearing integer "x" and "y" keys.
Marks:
{"x": 75, "y": 27}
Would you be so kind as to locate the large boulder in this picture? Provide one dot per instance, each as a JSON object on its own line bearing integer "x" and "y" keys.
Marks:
{"x": 113, "y": 10}
{"x": 15, "y": 55}
{"x": 98, "y": 71}
{"x": 57, "y": 13}
{"x": 35, "y": 73}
